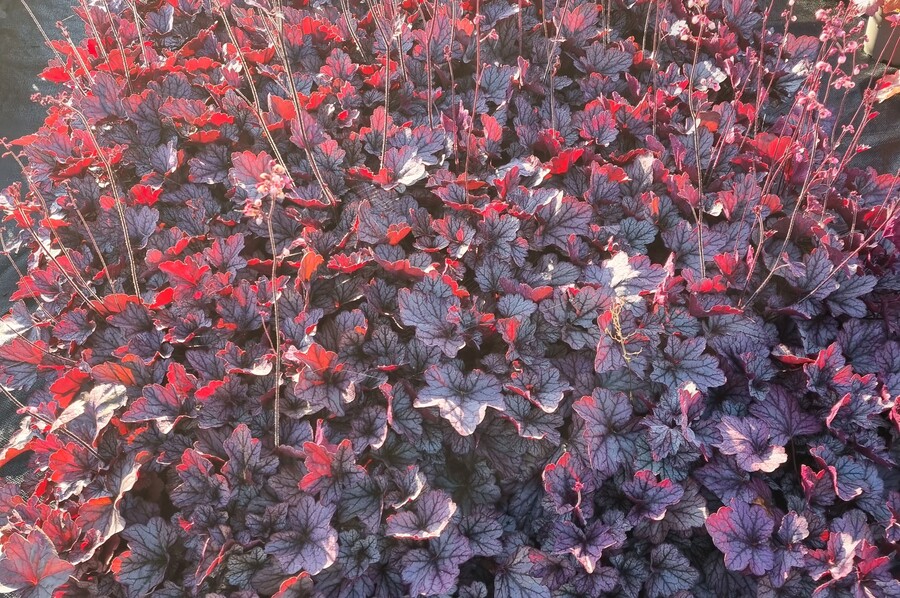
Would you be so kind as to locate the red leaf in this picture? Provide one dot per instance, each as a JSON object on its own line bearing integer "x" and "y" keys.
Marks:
{"x": 32, "y": 566}
{"x": 187, "y": 276}
{"x": 145, "y": 195}
{"x": 285, "y": 109}
{"x": 74, "y": 167}
{"x": 163, "y": 298}
{"x": 114, "y": 304}
{"x": 349, "y": 263}
{"x": 56, "y": 74}
{"x": 200, "y": 64}
{"x": 309, "y": 264}
{"x": 67, "y": 388}
{"x": 18, "y": 350}
{"x": 114, "y": 373}
{"x": 204, "y": 137}
{"x": 560, "y": 164}
{"x": 397, "y": 232}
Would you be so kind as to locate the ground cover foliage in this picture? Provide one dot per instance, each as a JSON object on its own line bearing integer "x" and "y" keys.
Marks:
{"x": 498, "y": 298}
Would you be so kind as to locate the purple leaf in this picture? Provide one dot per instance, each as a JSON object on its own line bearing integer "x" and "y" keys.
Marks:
{"x": 531, "y": 422}
{"x": 309, "y": 543}
{"x": 845, "y": 300}
{"x": 403, "y": 166}
{"x": 684, "y": 361}
{"x": 324, "y": 381}
{"x": 143, "y": 566}
{"x": 515, "y": 578}
{"x": 540, "y": 385}
{"x": 749, "y": 441}
{"x": 482, "y": 528}
{"x": 225, "y": 254}
{"x": 426, "y": 307}
{"x": 605, "y": 59}
{"x": 783, "y": 415}
{"x": 248, "y": 170}
{"x": 563, "y": 485}
{"x": 434, "y": 569}
{"x": 246, "y": 466}
{"x": 789, "y": 553}
{"x": 670, "y": 572}
{"x": 586, "y": 545}
{"x": 607, "y": 417}
{"x": 166, "y": 405}
{"x": 74, "y": 326}
{"x": 851, "y": 477}
{"x": 104, "y": 100}
{"x": 330, "y": 472}
{"x": 743, "y": 533}
{"x": 496, "y": 82}
{"x": 462, "y": 398}
{"x": 357, "y": 553}
{"x": 562, "y": 217}
{"x": 597, "y": 124}
{"x": 210, "y": 165}
{"x": 650, "y": 498}
{"x": 429, "y": 516}
{"x": 199, "y": 485}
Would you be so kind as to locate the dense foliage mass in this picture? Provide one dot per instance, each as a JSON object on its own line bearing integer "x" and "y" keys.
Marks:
{"x": 500, "y": 298}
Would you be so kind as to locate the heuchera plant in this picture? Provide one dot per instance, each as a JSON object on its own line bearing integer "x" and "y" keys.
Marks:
{"x": 453, "y": 298}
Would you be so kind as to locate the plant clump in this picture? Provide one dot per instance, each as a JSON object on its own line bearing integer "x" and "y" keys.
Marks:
{"x": 461, "y": 298}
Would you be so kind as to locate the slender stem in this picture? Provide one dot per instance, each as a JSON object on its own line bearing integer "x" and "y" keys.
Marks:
{"x": 34, "y": 188}
{"x": 38, "y": 417}
{"x": 29, "y": 285}
{"x": 50, "y": 43}
{"x": 276, "y": 324}
{"x": 115, "y": 33}
{"x": 140, "y": 34}
{"x": 120, "y": 205}
{"x": 87, "y": 229}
